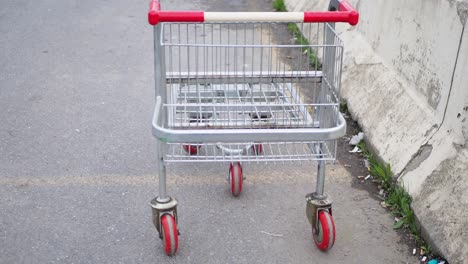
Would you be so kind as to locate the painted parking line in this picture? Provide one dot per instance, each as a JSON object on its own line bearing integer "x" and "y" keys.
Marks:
{"x": 271, "y": 176}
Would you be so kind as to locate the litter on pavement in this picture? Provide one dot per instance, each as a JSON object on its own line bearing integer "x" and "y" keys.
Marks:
{"x": 356, "y": 149}
{"x": 356, "y": 139}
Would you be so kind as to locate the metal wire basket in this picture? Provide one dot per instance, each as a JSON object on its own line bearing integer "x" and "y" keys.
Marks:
{"x": 226, "y": 82}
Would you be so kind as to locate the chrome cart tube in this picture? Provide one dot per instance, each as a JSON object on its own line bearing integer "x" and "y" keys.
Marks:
{"x": 320, "y": 174}
{"x": 159, "y": 63}
{"x": 254, "y": 135}
{"x": 162, "y": 197}
{"x": 160, "y": 90}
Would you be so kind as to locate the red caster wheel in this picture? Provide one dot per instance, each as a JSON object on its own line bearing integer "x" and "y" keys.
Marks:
{"x": 170, "y": 235}
{"x": 325, "y": 236}
{"x": 257, "y": 149}
{"x": 191, "y": 149}
{"x": 235, "y": 178}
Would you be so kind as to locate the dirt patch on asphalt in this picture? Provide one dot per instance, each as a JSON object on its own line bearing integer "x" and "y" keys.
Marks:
{"x": 355, "y": 165}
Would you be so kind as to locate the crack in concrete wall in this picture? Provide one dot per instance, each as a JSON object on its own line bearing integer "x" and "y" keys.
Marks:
{"x": 451, "y": 82}
{"x": 423, "y": 153}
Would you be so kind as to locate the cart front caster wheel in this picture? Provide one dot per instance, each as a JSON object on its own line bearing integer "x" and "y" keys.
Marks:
{"x": 257, "y": 149}
{"x": 235, "y": 178}
{"x": 191, "y": 149}
{"x": 170, "y": 235}
{"x": 324, "y": 237}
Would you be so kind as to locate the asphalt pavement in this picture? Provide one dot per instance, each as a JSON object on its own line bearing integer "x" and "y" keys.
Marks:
{"x": 77, "y": 158}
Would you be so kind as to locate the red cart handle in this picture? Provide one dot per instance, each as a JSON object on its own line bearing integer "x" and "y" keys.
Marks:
{"x": 346, "y": 13}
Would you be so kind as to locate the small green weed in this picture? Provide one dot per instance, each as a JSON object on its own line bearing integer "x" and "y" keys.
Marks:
{"x": 303, "y": 41}
{"x": 344, "y": 107}
{"x": 279, "y": 6}
{"x": 314, "y": 61}
{"x": 383, "y": 173}
{"x": 398, "y": 200}
{"x": 367, "y": 154}
{"x": 427, "y": 248}
{"x": 400, "y": 203}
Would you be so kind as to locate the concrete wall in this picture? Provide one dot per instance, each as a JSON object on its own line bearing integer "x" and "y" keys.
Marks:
{"x": 406, "y": 82}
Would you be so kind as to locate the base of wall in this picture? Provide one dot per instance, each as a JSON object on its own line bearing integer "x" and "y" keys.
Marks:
{"x": 419, "y": 129}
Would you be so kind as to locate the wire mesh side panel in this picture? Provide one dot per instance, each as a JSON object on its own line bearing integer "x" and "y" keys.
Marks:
{"x": 252, "y": 75}
{"x": 329, "y": 98}
{"x": 234, "y": 76}
{"x": 249, "y": 152}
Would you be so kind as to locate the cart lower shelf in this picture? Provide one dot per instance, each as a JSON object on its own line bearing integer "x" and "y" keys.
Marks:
{"x": 249, "y": 152}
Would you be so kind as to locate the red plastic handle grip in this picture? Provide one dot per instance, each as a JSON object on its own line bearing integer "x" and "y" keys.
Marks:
{"x": 153, "y": 12}
{"x": 154, "y": 6}
{"x": 346, "y": 13}
{"x": 345, "y": 6}
{"x": 353, "y": 15}
{"x": 155, "y": 15}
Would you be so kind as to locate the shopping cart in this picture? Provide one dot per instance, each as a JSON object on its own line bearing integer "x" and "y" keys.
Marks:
{"x": 226, "y": 93}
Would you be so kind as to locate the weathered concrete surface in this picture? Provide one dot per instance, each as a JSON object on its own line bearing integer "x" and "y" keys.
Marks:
{"x": 441, "y": 207}
{"x": 405, "y": 82}
{"x": 442, "y": 204}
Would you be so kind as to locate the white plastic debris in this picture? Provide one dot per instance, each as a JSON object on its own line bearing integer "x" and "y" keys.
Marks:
{"x": 356, "y": 139}
{"x": 424, "y": 259}
{"x": 367, "y": 164}
{"x": 356, "y": 149}
{"x": 367, "y": 177}
{"x": 414, "y": 251}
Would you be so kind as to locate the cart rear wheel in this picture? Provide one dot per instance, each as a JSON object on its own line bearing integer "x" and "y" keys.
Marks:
{"x": 191, "y": 149}
{"x": 257, "y": 149}
{"x": 169, "y": 234}
{"x": 235, "y": 178}
{"x": 324, "y": 237}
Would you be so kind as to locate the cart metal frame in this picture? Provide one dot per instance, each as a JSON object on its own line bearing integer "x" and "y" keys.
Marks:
{"x": 215, "y": 102}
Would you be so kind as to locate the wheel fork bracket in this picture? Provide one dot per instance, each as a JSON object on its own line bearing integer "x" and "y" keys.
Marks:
{"x": 315, "y": 203}
{"x": 161, "y": 208}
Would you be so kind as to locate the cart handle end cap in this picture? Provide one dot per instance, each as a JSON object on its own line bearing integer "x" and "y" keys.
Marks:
{"x": 153, "y": 14}
{"x": 353, "y": 18}
{"x": 353, "y": 15}
{"x": 153, "y": 17}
